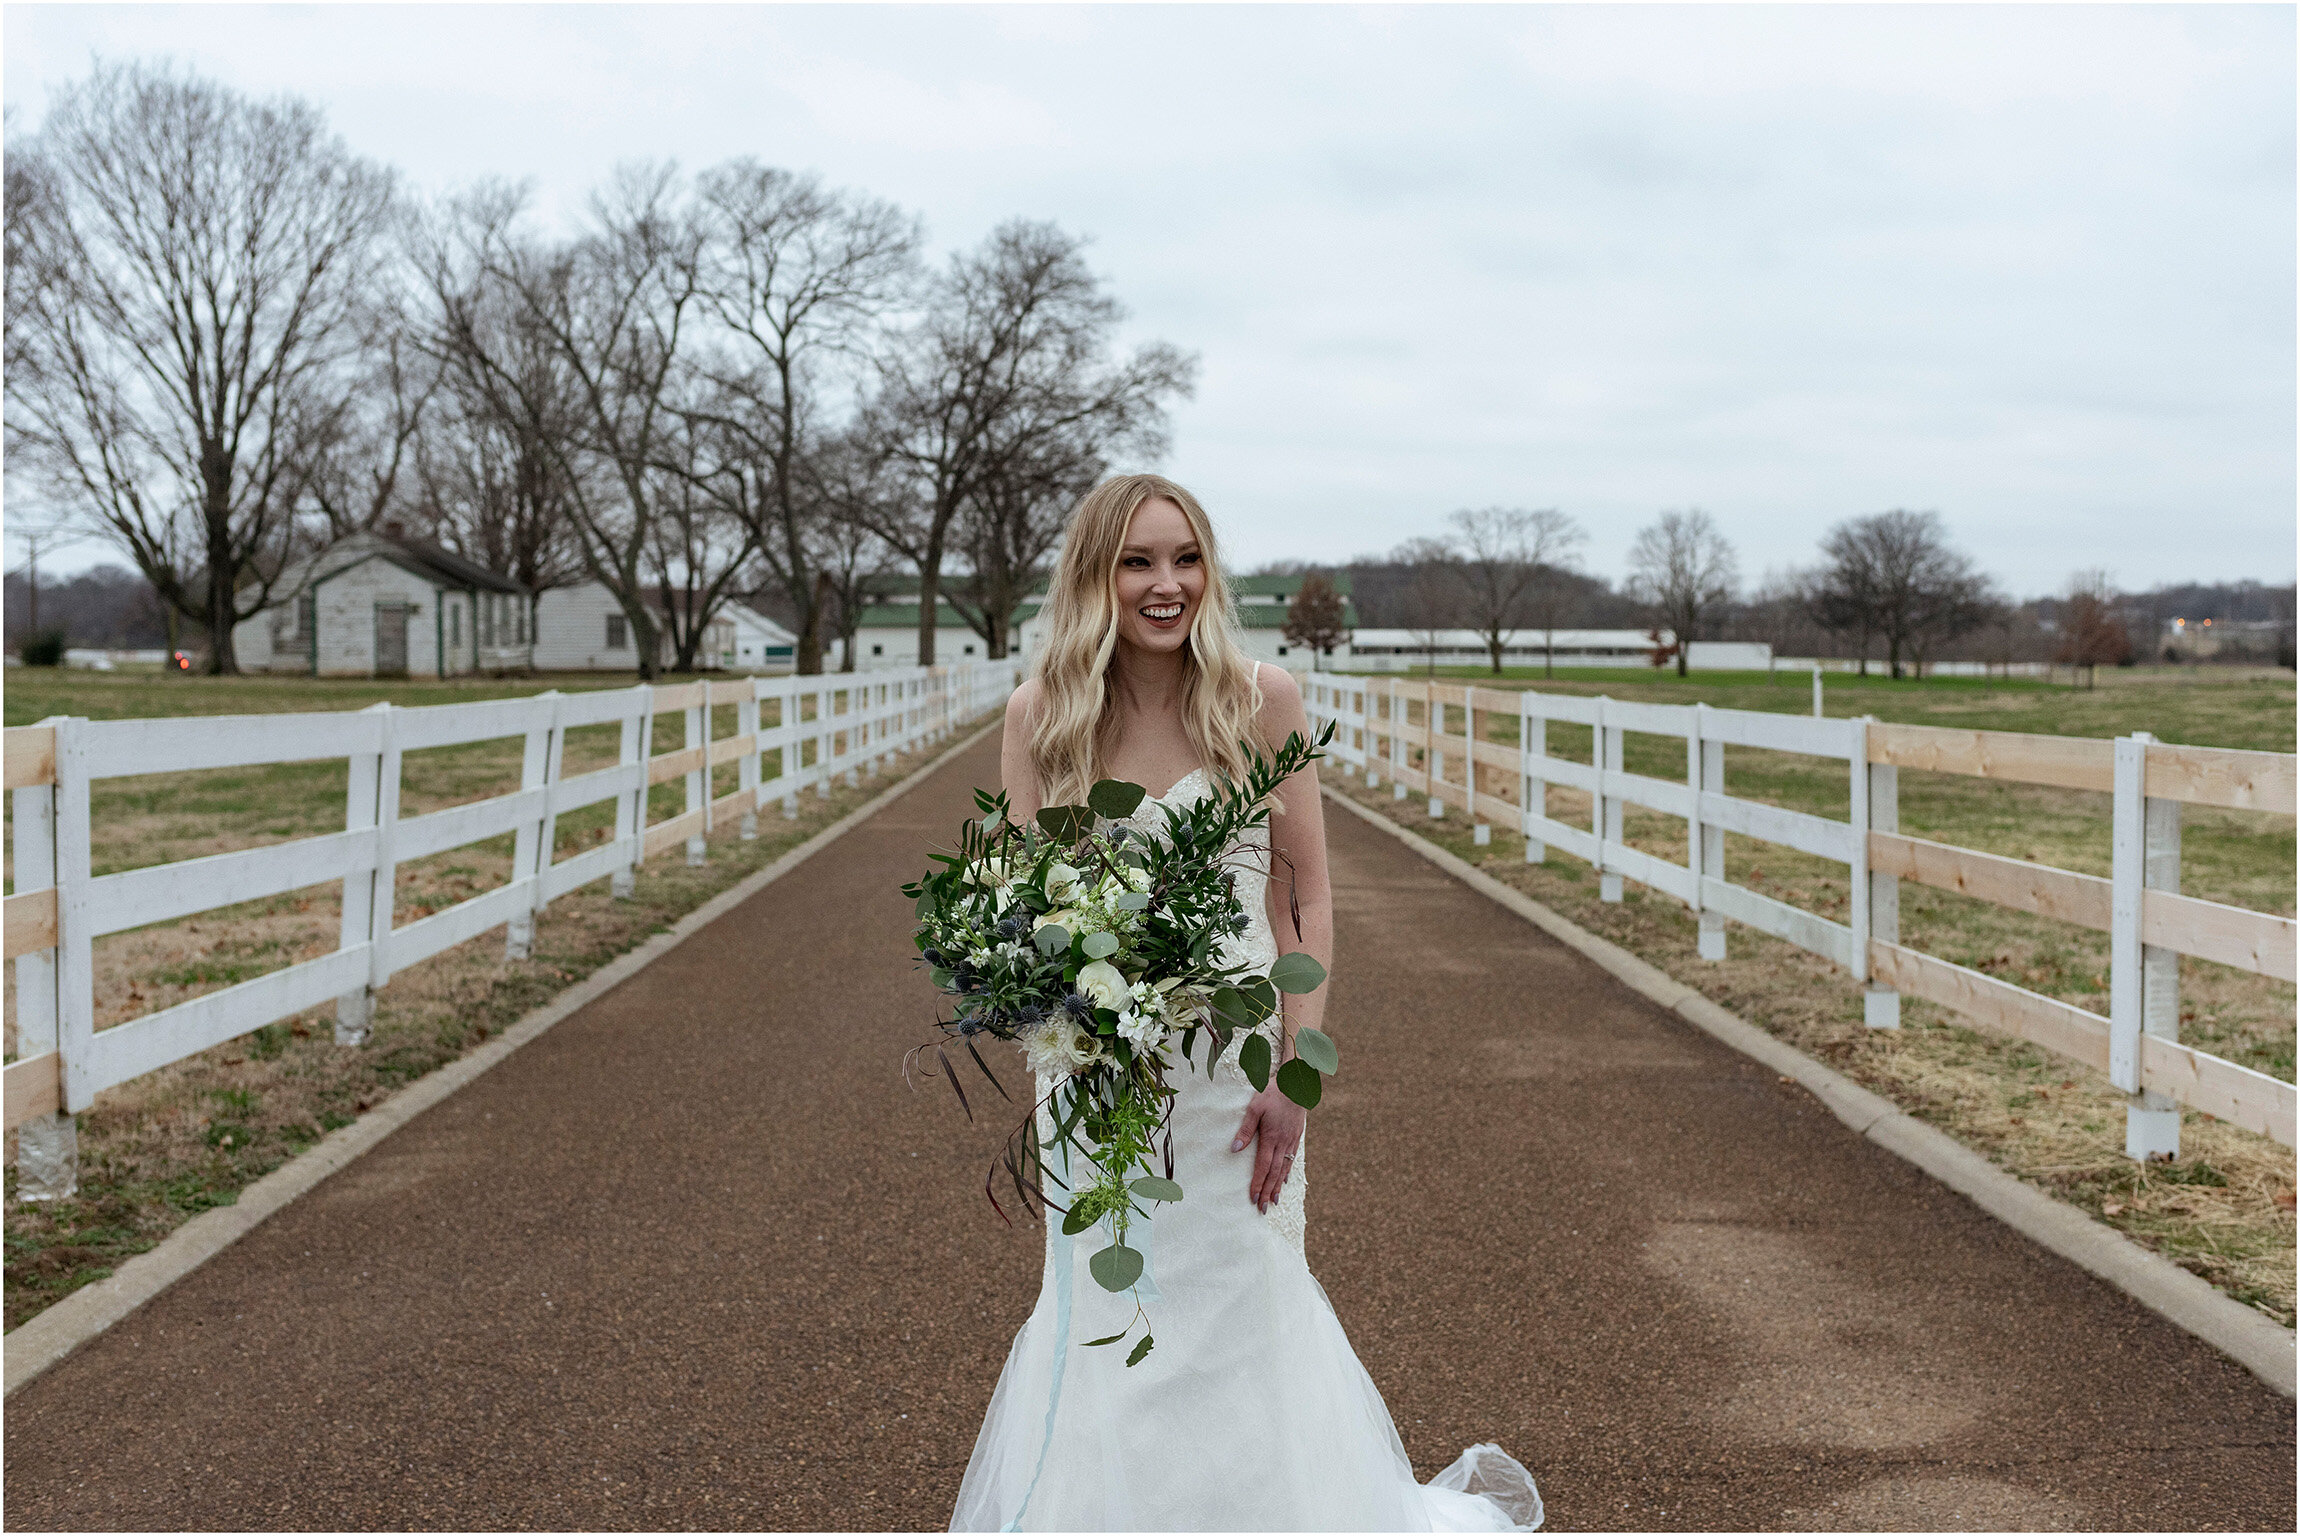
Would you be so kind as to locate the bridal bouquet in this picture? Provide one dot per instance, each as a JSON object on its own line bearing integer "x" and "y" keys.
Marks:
{"x": 1101, "y": 953}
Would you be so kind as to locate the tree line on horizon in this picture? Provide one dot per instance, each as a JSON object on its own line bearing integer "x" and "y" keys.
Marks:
{"x": 232, "y": 341}
{"x": 1887, "y": 587}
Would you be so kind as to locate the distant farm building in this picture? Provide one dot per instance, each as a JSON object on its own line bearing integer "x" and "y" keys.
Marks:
{"x": 381, "y": 604}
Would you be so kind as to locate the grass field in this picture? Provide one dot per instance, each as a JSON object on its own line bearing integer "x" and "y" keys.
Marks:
{"x": 2225, "y": 1210}
{"x": 162, "y": 1148}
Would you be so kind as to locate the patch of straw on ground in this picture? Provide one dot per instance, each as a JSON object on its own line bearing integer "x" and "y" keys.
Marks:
{"x": 160, "y": 1149}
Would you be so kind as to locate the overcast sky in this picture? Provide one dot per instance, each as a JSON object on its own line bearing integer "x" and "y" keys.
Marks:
{"x": 2033, "y": 268}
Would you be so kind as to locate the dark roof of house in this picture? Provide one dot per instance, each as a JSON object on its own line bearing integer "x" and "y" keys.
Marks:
{"x": 447, "y": 566}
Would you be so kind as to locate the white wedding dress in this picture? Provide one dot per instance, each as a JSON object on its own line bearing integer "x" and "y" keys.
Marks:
{"x": 1252, "y": 1412}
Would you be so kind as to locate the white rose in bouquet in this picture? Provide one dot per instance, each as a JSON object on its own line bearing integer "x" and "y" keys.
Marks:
{"x": 1062, "y": 883}
{"x": 1105, "y": 984}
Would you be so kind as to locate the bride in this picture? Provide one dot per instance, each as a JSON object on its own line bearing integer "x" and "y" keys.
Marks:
{"x": 1252, "y": 1413}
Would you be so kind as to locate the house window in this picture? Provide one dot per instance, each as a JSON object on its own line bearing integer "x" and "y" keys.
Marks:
{"x": 878, "y": 650}
{"x": 455, "y": 624}
{"x": 1281, "y": 650}
{"x": 616, "y": 638}
{"x": 970, "y": 650}
{"x": 487, "y": 619}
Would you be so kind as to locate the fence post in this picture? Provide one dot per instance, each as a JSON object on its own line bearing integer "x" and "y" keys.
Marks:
{"x": 385, "y": 888}
{"x": 823, "y": 734}
{"x": 363, "y": 805}
{"x": 1605, "y": 819}
{"x": 1532, "y": 793}
{"x": 1857, "y": 876}
{"x": 1373, "y": 752}
{"x": 747, "y": 771}
{"x": 47, "y": 1146}
{"x": 1433, "y": 758}
{"x": 1881, "y": 1006}
{"x": 1816, "y": 690}
{"x": 631, "y": 804}
{"x": 2144, "y": 979}
{"x": 531, "y": 846}
{"x": 1705, "y": 844}
{"x": 1398, "y": 758}
{"x": 698, "y": 780}
{"x": 791, "y": 750}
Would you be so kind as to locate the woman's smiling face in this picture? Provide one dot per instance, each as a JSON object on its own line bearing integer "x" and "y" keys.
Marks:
{"x": 1161, "y": 578}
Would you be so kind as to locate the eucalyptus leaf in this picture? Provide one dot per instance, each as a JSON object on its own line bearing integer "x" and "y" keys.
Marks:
{"x": 1132, "y": 901}
{"x": 1115, "y": 1267}
{"x": 1153, "y": 1188}
{"x": 1115, "y": 798}
{"x": 1091, "y": 1343}
{"x": 1074, "y": 1223}
{"x": 942, "y": 978}
{"x": 1317, "y": 1048}
{"x": 1231, "y": 1007}
{"x": 1140, "y": 1350}
{"x": 1254, "y": 1057}
{"x": 1299, "y": 1081}
{"x": 1261, "y": 993}
{"x": 1297, "y": 972}
{"x": 1052, "y": 939}
{"x": 1066, "y": 823}
{"x": 926, "y": 904}
{"x": 1100, "y": 946}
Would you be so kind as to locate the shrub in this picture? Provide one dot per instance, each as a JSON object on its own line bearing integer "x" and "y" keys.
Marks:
{"x": 45, "y": 649}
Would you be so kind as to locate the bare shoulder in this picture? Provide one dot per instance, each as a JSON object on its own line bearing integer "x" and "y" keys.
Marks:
{"x": 1022, "y": 704}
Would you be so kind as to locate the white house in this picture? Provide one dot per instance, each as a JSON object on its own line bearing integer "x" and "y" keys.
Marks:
{"x": 887, "y": 636}
{"x": 1402, "y": 650}
{"x": 760, "y": 644}
{"x": 584, "y": 629}
{"x": 384, "y": 605}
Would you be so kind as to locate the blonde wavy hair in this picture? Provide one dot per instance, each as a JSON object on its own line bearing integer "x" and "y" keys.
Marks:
{"x": 1221, "y": 697}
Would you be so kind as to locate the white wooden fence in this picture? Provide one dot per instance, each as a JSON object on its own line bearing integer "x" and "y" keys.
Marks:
{"x": 816, "y": 728}
{"x": 2149, "y": 923}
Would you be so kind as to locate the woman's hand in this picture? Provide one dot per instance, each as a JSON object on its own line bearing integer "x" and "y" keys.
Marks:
{"x": 1274, "y": 1123}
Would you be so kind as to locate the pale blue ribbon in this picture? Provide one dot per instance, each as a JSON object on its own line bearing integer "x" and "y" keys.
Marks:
{"x": 1146, "y": 1289}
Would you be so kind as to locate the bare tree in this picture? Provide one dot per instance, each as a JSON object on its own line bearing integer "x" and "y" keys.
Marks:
{"x": 492, "y": 484}
{"x": 1317, "y": 618}
{"x": 1430, "y": 601}
{"x": 1506, "y": 555}
{"x": 1683, "y": 569}
{"x": 1893, "y": 575}
{"x": 614, "y": 308}
{"x": 1012, "y": 354}
{"x": 356, "y": 448}
{"x": 799, "y": 277}
{"x": 1011, "y": 525}
{"x": 213, "y": 262}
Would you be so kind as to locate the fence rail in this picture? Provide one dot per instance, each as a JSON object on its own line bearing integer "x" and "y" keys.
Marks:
{"x": 820, "y": 728}
{"x": 2149, "y": 923}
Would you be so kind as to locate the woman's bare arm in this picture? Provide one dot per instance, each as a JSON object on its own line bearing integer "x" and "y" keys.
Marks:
{"x": 1017, "y": 775}
{"x": 1297, "y": 878}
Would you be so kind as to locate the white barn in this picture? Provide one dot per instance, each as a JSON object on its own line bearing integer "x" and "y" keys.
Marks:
{"x": 383, "y": 605}
{"x": 584, "y": 629}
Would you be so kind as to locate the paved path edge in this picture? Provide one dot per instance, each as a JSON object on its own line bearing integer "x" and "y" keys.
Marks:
{"x": 2259, "y": 1344}
{"x": 40, "y": 1342}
